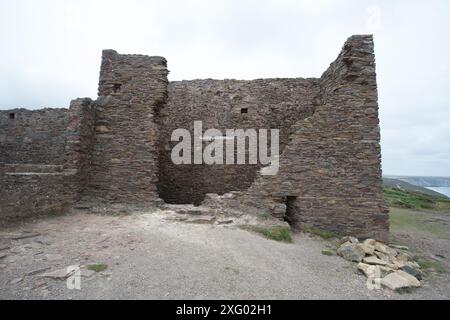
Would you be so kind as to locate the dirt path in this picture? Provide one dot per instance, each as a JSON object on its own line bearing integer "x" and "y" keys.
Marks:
{"x": 149, "y": 257}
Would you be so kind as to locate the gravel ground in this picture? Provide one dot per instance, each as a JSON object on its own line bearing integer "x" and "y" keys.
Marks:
{"x": 152, "y": 257}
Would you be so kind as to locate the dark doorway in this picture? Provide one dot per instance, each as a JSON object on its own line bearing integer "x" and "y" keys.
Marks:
{"x": 292, "y": 212}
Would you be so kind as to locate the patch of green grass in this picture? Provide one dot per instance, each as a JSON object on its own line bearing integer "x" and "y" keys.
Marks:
{"x": 277, "y": 233}
{"x": 414, "y": 200}
{"x": 266, "y": 216}
{"x": 328, "y": 252}
{"x": 324, "y": 234}
{"x": 99, "y": 267}
{"x": 406, "y": 221}
{"x": 236, "y": 271}
{"x": 432, "y": 265}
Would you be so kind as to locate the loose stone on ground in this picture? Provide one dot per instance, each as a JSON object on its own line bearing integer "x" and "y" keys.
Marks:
{"x": 376, "y": 258}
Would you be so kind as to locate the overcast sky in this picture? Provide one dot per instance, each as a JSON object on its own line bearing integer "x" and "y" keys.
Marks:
{"x": 50, "y": 53}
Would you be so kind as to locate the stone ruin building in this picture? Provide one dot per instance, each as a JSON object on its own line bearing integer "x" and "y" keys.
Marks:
{"x": 116, "y": 149}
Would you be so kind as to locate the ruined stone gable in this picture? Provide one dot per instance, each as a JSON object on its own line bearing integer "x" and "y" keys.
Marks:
{"x": 116, "y": 149}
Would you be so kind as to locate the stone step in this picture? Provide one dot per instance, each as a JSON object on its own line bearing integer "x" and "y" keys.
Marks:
{"x": 187, "y": 209}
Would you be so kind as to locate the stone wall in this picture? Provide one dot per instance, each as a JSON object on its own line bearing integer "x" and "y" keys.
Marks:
{"x": 79, "y": 145}
{"x": 330, "y": 172}
{"x": 32, "y": 136}
{"x": 31, "y": 190}
{"x": 32, "y": 181}
{"x": 227, "y": 104}
{"x": 132, "y": 90}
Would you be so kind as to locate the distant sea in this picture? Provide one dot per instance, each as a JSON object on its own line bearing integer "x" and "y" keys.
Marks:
{"x": 443, "y": 190}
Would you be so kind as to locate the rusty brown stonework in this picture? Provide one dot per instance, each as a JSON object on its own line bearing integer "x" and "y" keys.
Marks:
{"x": 116, "y": 150}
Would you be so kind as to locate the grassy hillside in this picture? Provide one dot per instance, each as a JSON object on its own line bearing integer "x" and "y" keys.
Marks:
{"x": 414, "y": 200}
{"x": 402, "y": 185}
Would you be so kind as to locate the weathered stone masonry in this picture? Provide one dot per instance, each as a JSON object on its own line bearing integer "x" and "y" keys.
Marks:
{"x": 116, "y": 149}
{"x": 28, "y": 138}
{"x": 330, "y": 172}
{"x": 32, "y": 136}
{"x": 132, "y": 90}
{"x": 268, "y": 103}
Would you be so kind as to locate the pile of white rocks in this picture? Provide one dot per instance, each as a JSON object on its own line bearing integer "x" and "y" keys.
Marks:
{"x": 391, "y": 265}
